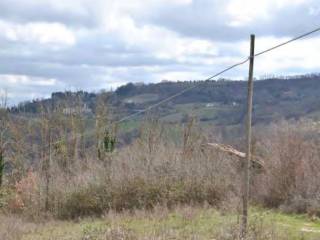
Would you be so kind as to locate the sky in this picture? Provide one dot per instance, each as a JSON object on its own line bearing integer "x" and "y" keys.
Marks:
{"x": 57, "y": 45}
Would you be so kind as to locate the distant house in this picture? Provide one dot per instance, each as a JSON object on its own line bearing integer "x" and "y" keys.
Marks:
{"x": 208, "y": 105}
{"x": 84, "y": 109}
{"x": 235, "y": 104}
{"x": 129, "y": 100}
{"x": 288, "y": 95}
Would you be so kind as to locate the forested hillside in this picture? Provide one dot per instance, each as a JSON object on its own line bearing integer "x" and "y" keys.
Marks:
{"x": 221, "y": 102}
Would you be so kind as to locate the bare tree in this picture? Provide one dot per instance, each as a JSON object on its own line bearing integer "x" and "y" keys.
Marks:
{"x": 4, "y": 127}
{"x": 45, "y": 160}
{"x": 101, "y": 124}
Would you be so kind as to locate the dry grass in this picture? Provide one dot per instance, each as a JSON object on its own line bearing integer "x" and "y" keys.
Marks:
{"x": 14, "y": 228}
{"x": 183, "y": 222}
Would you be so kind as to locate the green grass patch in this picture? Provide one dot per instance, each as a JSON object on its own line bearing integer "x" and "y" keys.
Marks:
{"x": 182, "y": 223}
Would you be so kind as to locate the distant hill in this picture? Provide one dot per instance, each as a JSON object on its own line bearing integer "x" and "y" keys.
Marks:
{"x": 220, "y": 102}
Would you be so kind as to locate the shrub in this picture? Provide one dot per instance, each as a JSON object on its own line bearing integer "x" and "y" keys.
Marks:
{"x": 291, "y": 179}
{"x": 135, "y": 194}
{"x": 6, "y": 196}
{"x": 87, "y": 201}
{"x": 25, "y": 196}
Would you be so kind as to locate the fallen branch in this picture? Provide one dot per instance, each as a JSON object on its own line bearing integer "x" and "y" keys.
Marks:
{"x": 234, "y": 152}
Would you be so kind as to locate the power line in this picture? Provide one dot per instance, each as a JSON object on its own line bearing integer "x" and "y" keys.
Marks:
{"x": 219, "y": 73}
{"x": 180, "y": 93}
{"x": 287, "y": 42}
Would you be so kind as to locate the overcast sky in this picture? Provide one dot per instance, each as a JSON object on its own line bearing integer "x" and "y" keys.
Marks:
{"x": 56, "y": 45}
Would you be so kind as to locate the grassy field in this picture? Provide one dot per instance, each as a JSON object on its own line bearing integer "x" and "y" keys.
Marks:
{"x": 181, "y": 223}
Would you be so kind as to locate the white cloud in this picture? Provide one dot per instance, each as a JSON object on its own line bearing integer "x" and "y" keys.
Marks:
{"x": 26, "y": 80}
{"x": 40, "y": 32}
{"x": 22, "y": 87}
{"x": 302, "y": 54}
{"x": 243, "y": 12}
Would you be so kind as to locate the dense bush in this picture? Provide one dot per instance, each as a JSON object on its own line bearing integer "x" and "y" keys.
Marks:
{"x": 136, "y": 194}
{"x": 89, "y": 201}
{"x": 6, "y": 195}
{"x": 291, "y": 179}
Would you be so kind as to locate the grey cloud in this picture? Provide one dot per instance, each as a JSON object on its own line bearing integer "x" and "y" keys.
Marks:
{"x": 44, "y": 11}
{"x": 207, "y": 19}
{"x": 93, "y": 50}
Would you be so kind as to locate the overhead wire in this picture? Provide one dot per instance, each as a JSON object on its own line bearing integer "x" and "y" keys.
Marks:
{"x": 287, "y": 42}
{"x": 181, "y": 92}
{"x": 219, "y": 73}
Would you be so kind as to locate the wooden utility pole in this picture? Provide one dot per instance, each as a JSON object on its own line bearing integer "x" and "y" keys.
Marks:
{"x": 48, "y": 160}
{"x": 246, "y": 175}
